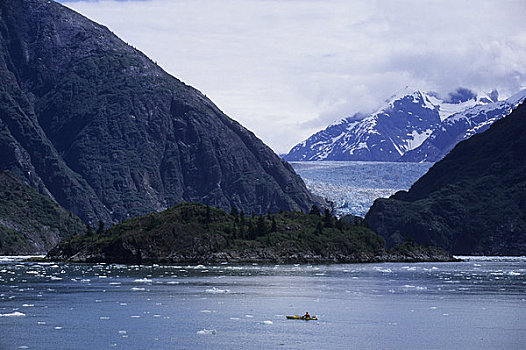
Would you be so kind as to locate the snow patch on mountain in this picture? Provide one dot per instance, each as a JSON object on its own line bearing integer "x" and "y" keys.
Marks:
{"x": 411, "y": 126}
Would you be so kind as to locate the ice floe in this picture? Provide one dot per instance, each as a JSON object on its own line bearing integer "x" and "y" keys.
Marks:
{"x": 215, "y": 290}
{"x": 143, "y": 280}
{"x": 13, "y": 314}
{"x": 207, "y": 331}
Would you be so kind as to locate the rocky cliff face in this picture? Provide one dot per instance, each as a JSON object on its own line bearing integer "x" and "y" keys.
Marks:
{"x": 108, "y": 134}
{"x": 471, "y": 202}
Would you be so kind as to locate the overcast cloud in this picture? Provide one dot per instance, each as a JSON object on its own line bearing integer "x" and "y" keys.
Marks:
{"x": 287, "y": 68}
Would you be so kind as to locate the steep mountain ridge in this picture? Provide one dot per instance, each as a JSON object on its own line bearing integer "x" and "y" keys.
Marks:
{"x": 412, "y": 126}
{"x": 103, "y": 130}
{"x": 460, "y": 126}
{"x": 471, "y": 202}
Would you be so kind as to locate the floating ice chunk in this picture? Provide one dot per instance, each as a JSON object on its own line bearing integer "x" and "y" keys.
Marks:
{"x": 136, "y": 289}
{"x": 384, "y": 270}
{"x": 215, "y": 290}
{"x": 235, "y": 318}
{"x": 13, "y": 314}
{"x": 55, "y": 278}
{"x": 23, "y": 347}
{"x": 143, "y": 280}
{"x": 123, "y": 332}
{"x": 58, "y": 328}
{"x": 207, "y": 331}
{"x": 206, "y": 311}
{"x": 513, "y": 273}
{"x": 28, "y": 305}
{"x": 268, "y": 322}
{"x": 135, "y": 316}
{"x": 41, "y": 323}
{"x": 249, "y": 316}
{"x": 433, "y": 307}
{"x": 104, "y": 318}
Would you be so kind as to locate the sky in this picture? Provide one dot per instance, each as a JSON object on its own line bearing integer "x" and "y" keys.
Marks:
{"x": 288, "y": 68}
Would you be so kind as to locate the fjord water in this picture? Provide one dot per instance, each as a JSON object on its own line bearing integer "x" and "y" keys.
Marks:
{"x": 473, "y": 304}
{"x": 353, "y": 186}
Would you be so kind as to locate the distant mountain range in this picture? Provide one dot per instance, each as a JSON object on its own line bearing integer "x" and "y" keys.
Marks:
{"x": 472, "y": 202}
{"x": 97, "y": 126}
{"x": 413, "y": 126}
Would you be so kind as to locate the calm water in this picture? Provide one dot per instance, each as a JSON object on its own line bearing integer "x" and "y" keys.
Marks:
{"x": 474, "y": 304}
{"x": 353, "y": 186}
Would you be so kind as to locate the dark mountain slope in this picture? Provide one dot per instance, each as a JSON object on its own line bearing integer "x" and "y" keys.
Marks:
{"x": 471, "y": 202}
{"x": 108, "y": 134}
{"x": 31, "y": 222}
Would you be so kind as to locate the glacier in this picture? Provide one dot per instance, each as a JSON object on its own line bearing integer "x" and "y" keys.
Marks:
{"x": 353, "y": 186}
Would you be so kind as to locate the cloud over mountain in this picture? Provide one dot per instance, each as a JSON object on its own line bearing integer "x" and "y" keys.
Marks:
{"x": 287, "y": 68}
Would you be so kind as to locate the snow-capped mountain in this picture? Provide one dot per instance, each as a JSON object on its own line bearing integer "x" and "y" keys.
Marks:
{"x": 461, "y": 126}
{"x": 412, "y": 126}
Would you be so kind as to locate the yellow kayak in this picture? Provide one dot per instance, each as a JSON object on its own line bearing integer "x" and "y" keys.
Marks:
{"x": 297, "y": 317}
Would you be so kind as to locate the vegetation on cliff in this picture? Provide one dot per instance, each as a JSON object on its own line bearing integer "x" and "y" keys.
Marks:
{"x": 191, "y": 232}
{"x": 30, "y": 222}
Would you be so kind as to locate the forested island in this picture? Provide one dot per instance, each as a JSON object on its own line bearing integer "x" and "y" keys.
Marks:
{"x": 197, "y": 233}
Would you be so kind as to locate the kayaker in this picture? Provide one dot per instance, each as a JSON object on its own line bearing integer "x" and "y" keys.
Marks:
{"x": 306, "y": 315}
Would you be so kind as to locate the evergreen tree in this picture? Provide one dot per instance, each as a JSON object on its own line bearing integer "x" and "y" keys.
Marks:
{"x": 327, "y": 220}
{"x": 314, "y": 210}
{"x": 319, "y": 229}
{"x": 274, "y": 227}
{"x": 208, "y": 216}
{"x": 89, "y": 230}
{"x": 234, "y": 230}
{"x": 100, "y": 229}
{"x": 261, "y": 226}
{"x": 339, "y": 225}
{"x": 235, "y": 213}
{"x": 251, "y": 230}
